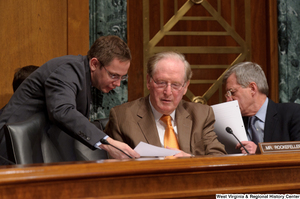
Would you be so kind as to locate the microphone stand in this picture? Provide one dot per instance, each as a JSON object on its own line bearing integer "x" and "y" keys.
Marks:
{"x": 229, "y": 130}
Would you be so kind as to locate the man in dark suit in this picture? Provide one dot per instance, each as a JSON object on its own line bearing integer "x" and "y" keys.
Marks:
{"x": 168, "y": 77}
{"x": 264, "y": 120}
{"x": 62, "y": 89}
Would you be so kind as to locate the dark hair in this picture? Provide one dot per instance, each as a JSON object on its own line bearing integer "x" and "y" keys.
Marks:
{"x": 107, "y": 48}
{"x": 21, "y": 74}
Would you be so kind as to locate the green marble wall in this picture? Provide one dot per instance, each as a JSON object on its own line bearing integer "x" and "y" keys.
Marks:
{"x": 107, "y": 17}
{"x": 289, "y": 50}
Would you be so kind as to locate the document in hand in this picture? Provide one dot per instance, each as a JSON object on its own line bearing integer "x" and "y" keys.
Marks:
{"x": 228, "y": 114}
{"x": 148, "y": 150}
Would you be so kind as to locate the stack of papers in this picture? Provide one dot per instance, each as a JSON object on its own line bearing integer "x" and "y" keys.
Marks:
{"x": 228, "y": 114}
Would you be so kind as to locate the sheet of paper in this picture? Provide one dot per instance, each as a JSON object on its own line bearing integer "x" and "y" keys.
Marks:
{"x": 228, "y": 114}
{"x": 149, "y": 150}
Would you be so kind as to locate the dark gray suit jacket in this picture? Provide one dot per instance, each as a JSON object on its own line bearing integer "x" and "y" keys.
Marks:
{"x": 61, "y": 88}
{"x": 133, "y": 122}
{"x": 282, "y": 122}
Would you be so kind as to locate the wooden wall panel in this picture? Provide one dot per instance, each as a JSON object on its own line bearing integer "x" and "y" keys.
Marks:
{"x": 265, "y": 42}
{"x": 34, "y": 31}
{"x": 31, "y": 32}
{"x": 135, "y": 42}
{"x": 272, "y": 61}
{"x": 78, "y": 27}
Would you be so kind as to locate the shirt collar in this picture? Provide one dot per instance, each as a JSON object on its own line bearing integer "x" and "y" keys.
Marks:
{"x": 261, "y": 114}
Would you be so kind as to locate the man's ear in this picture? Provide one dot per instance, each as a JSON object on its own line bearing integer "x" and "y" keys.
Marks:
{"x": 253, "y": 87}
{"x": 93, "y": 64}
{"x": 186, "y": 86}
{"x": 148, "y": 81}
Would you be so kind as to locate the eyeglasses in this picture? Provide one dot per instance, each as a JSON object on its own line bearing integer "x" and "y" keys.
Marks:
{"x": 164, "y": 84}
{"x": 116, "y": 77}
{"x": 229, "y": 93}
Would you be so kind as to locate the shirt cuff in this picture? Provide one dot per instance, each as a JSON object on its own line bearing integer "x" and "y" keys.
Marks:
{"x": 99, "y": 143}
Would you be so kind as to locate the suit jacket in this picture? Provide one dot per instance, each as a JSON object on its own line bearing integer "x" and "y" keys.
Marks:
{"x": 62, "y": 89}
{"x": 133, "y": 122}
{"x": 282, "y": 122}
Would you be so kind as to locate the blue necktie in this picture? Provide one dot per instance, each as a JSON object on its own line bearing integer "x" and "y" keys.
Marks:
{"x": 255, "y": 137}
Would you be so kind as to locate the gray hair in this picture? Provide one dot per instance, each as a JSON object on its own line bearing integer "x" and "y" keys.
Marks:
{"x": 247, "y": 72}
{"x": 153, "y": 60}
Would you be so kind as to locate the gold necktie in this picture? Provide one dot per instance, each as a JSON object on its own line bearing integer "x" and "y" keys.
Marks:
{"x": 170, "y": 139}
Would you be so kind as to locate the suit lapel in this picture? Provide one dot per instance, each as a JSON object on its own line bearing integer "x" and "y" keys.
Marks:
{"x": 147, "y": 123}
{"x": 271, "y": 121}
{"x": 184, "y": 128}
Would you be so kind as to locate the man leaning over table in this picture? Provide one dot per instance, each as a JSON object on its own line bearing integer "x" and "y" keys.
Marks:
{"x": 62, "y": 89}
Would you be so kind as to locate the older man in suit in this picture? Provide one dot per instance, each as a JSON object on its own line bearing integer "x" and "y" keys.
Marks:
{"x": 265, "y": 120}
{"x": 163, "y": 118}
{"x": 62, "y": 89}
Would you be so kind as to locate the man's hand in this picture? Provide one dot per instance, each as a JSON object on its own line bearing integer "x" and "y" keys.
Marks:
{"x": 180, "y": 154}
{"x": 249, "y": 145}
{"x": 115, "y": 153}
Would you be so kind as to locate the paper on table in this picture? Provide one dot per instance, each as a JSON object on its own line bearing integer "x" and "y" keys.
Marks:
{"x": 145, "y": 149}
{"x": 228, "y": 114}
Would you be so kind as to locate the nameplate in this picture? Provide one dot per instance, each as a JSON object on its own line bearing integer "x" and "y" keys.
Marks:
{"x": 277, "y": 147}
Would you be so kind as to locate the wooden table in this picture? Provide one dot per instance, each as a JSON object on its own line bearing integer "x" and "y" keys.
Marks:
{"x": 198, "y": 177}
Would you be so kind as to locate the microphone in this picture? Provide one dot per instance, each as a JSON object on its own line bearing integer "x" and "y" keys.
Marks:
{"x": 104, "y": 141}
{"x": 229, "y": 130}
